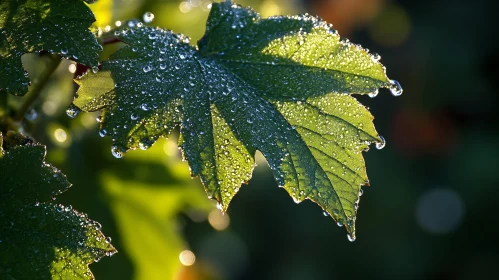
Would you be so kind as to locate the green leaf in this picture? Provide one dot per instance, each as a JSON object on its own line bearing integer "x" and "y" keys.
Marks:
{"x": 41, "y": 240}
{"x": 56, "y": 26}
{"x": 146, "y": 210}
{"x": 280, "y": 85}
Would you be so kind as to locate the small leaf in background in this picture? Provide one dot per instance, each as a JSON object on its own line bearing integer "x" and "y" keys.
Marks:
{"x": 39, "y": 239}
{"x": 280, "y": 85}
{"x": 147, "y": 211}
{"x": 56, "y": 26}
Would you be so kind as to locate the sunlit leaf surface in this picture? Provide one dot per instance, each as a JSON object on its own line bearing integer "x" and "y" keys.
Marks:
{"x": 56, "y": 26}
{"x": 38, "y": 239}
{"x": 280, "y": 85}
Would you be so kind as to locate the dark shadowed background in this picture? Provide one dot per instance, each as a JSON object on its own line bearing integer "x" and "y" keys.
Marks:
{"x": 431, "y": 209}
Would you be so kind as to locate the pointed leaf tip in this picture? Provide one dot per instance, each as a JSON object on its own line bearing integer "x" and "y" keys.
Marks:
{"x": 238, "y": 93}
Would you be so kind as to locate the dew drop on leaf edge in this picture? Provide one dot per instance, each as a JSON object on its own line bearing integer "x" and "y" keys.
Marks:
{"x": 117, "y": 151}
{"x": 351, "y": 238}
{"x": 395, "y": 88}
{"x": 382, "y": 144}
{"x": 373, "y": 94}
{"x": 148, "y": 17}
{"x": 72, "y": 111}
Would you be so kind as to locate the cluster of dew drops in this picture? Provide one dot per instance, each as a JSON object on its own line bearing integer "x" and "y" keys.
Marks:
{"x": 72, "y": 111}
{"x": 396, "y": 90}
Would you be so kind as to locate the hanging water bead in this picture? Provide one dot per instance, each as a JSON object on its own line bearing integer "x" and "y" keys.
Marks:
{"x": 102, "y": 132}
{"x": 72, "y": 111}
{"x": 373, "y": 94}
{"x": 381, "y": 145}
{"x": 117, "y": 151}
{"x": 351, "y": 238}
{"x": 396, "y": 88}
{"x": 148, "y": 17}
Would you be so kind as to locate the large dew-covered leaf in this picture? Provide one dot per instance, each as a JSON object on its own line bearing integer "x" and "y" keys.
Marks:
{"x": 56, "y": 26}
{"x": 280, "y": 85}
{"x": 38, "y": 239}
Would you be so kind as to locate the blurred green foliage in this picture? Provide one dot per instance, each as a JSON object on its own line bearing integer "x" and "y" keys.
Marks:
{"x": 441, "y": 135}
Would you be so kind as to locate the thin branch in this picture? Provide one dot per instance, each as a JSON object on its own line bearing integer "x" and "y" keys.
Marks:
{"x": 38, "y": 84}
{"x": 110, "y": 40}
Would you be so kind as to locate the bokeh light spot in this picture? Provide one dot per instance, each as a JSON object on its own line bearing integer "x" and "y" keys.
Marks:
{"x": 49, "y": 108}
{"x": 392, "y": 27}
{"x": 440, "y": 211}
{"x": 187, "y": 258}
{"x": 170, "y": 148}
{"x": 269, "y": 8}
{"x": 72, "y": 68}
{"x": 60, "y": 135}
{"x": 218, "y": 220}
{"x": 185, "y": 7}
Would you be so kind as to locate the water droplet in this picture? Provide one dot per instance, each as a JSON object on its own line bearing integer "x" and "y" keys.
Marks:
{"x": 132, "y": 23}
{"x": 220, "y": 206}
{"x": 134, "y": 117}
{"x": 376, "y": 57}
{"x": 144, "y": 107}
{"x": 108, "y": 239}
{"x": 373, "y": 94}
{"x": 340, "y": 224}
{"x": 351, "y": 238}
{"x": 148, "y": 17}
{"x": 147, "y": 68}
{"x": 396, "y": 88}
{"x": 95, "y": 69}
{"x": 31, "y": 115}
{"x": 381, "y": 145}
{"x": 102, "y": 132}
{"x": 145, "y": 144}
{"x": 117, "y": 151}
{"x": 325, "y": 213}
{"x": 73, "y": 111}
{"x": 99, "y": 119}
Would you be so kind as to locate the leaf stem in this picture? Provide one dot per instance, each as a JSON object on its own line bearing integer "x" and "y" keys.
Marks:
{"x": 110, "y": 40}
{"x": 38, "y": 84}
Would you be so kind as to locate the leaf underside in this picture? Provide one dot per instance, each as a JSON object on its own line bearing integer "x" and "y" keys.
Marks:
{"x": 279, "y": 85}
{"x": 38, "y": 239}
{"x": 56, "y": 26}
